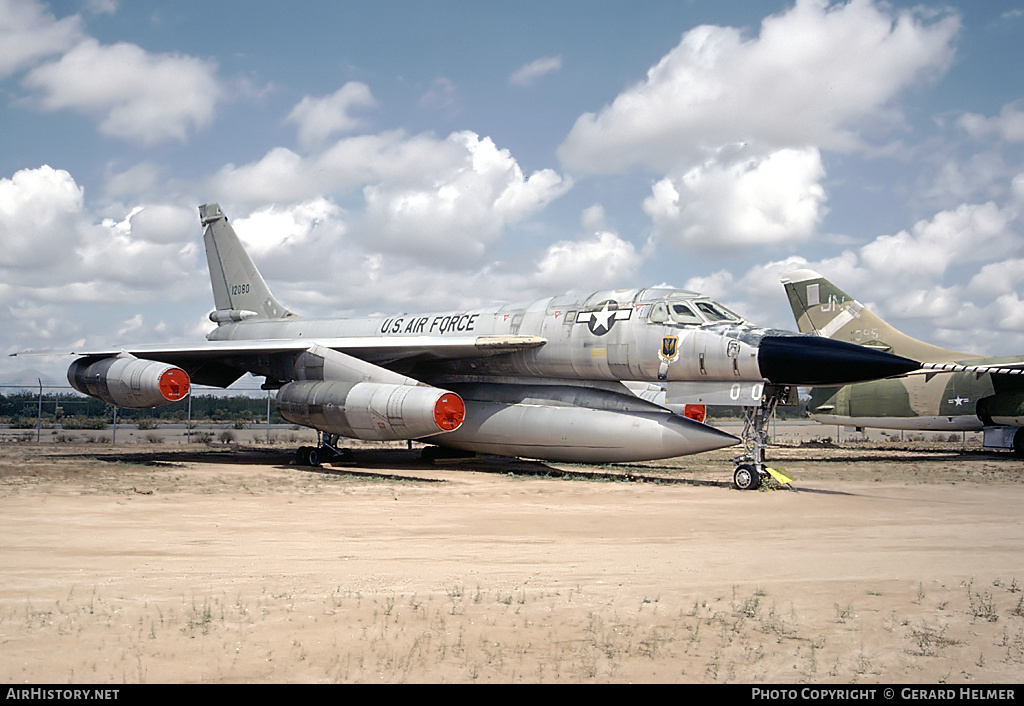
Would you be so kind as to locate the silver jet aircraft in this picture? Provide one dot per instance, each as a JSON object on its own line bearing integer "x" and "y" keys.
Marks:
{"x": 540, "y": 380}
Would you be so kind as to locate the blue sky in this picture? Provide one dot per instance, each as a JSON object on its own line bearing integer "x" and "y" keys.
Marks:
{"x": 410, "y": 156}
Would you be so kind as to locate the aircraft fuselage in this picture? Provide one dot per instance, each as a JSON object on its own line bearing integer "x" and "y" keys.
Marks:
{"x": 606, "y": 336}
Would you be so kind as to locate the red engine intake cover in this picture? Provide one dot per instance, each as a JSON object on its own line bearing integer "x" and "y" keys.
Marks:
{"x": 449, "y": 412}
{"x": 695, "y": 412}
{"x": 174, "y": 384}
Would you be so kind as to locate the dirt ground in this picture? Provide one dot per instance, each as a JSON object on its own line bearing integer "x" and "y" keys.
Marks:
{"x": 156, "y": 561}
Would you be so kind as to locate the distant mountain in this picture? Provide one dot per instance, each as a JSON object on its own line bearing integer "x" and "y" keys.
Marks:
{"x": 28, "y": 379}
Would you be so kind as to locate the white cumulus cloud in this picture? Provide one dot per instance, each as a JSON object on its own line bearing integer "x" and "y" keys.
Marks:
{"x": 946, "y": 279}
{"x": 927, "y": 250}
{"x": 813, "y": 76}
{"x": 448, "y": 199}
{"x": 527, "y": 74}
{"x": 272, "y": 230}
{"x": 135, "y": 95}
{"x": 320, "y": 118}
{"x": 462, "y": 208}
{"x": 600, "y": 261}
{"x": 39, "y": 217}
{"x": 28, "y": 33}
{"x": 736, "y": 124}
{"x": 61, "y": 260}
{"x": 717, "y": 206}
{"x": 1008, "y": 125}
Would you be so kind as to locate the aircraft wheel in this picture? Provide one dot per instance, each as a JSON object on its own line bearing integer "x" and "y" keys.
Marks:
{"x": 746, "y": 477}
{"x": 1018, "y": 443}
{"x": 307, "y": 456}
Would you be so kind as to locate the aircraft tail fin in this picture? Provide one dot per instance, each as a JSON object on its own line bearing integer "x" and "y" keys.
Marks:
{"x": 822, "y": 308}
{"x": 239, "y": 291}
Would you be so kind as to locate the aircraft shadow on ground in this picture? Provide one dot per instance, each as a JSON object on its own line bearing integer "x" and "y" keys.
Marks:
{"x": 371, "y": 462}
{"x": 918, "y": 456}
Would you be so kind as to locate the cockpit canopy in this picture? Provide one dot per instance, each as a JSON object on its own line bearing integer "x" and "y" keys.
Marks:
{"x": 693, "y": 311}
{"x": 664, "y": 304}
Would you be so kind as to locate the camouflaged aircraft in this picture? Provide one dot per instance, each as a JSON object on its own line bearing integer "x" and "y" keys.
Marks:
{"x": 953, "y": 391}
{"x": 541, "y": 380}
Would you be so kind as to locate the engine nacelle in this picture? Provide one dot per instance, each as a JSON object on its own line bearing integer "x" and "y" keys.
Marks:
{"x": 1002, "y": 409}
{"x": 575, "y": 424}
{"x": 370, "y": 410}
{"x": 129, "y": 382}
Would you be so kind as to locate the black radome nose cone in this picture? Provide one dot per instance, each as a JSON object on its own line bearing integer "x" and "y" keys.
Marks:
{"x": 800, "y": 359}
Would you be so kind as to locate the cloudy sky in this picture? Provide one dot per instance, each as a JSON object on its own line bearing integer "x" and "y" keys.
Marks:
{"x": 382, "y": 157}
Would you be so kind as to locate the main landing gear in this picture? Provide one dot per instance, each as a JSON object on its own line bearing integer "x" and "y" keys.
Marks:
{"x": 325, "y": 450}
{"x": 751, "y": 471}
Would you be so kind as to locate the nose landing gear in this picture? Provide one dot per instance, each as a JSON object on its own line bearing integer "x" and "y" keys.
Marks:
{"x": 747, "y": 477}
{"x": 751, "y": 471}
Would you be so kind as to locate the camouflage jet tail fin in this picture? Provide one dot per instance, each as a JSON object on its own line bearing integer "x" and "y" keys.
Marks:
{"x": 822, "y": 308}
{"x": 239, "y": 291}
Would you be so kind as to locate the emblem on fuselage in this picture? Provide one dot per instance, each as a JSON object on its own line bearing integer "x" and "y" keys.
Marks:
{"x": 601, "y": 318}
{"x": 670, "y": 347}
{"x": 668, "y": 354}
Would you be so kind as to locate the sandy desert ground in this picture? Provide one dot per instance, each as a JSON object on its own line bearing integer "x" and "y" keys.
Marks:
{"x": 893, "y": 562}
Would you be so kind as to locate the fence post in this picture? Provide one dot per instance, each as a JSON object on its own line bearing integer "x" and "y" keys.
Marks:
{"x": 39, "y": 418}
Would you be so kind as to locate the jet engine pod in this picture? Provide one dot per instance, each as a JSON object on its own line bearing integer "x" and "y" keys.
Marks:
{"x": 576, "y": 424}
{"x": 370, "y": 410}
{"x": 1003, "y": 408}
{"x": 129, "y": 382}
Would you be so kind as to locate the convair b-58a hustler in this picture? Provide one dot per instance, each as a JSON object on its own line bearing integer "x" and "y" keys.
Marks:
{"x": 541, "y": 380}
